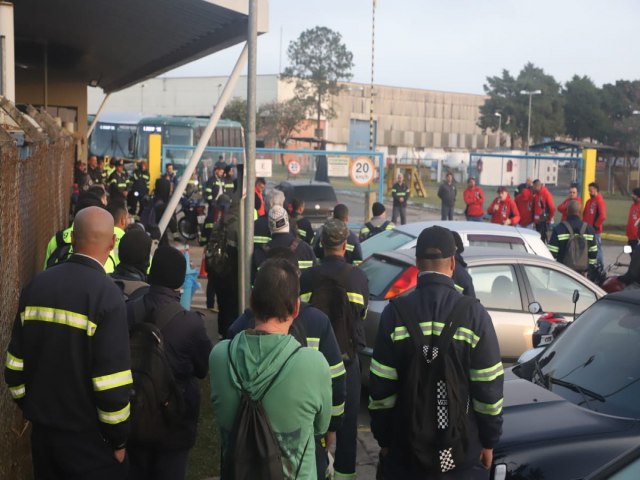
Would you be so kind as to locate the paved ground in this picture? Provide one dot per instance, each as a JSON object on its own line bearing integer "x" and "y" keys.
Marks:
{"x": 367, "y": 447}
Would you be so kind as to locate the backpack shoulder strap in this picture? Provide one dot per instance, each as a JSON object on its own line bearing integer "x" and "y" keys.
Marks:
{"x": 139, "y": 310}
{"x": 583, "y": 228}
{"x": 60, "y": 238}
{"x": 385, "y": 225}
{"x": 164, "y": 315}
{"x": 370, "y": 226}
{"x": 567, "y": 225}
{"x": 407, "y": 319}
{"x": 454, "y": 320}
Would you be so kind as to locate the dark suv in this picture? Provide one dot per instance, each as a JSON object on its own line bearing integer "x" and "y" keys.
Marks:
{"x": 576, "y": 406}
{"x": 319, "y": 198}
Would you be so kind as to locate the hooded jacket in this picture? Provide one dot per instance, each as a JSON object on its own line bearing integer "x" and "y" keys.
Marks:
{"x": 595, "y": 213}
{"x": 634, "y": 216}
{"x": 298, "y": 403}
{"x": 562, "y": 208}
{"x": 504, "y": 211}
{"x": 524, "y": 202}
{"x": 474, "y": 198}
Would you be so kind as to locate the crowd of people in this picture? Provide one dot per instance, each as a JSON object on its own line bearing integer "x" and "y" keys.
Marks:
{"x": 104, "y": 318}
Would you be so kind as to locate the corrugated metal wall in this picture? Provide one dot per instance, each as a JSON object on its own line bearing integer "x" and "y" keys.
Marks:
{"x": 35, "y": 183}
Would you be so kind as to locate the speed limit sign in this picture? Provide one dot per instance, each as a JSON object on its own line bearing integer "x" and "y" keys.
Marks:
{"x": 294, "y": 167}
{"x": 361, "y": 171}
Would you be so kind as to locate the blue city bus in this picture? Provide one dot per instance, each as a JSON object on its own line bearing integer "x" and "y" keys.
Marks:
{"x": 185, "y": 131}
{"x": 114, "y": 135}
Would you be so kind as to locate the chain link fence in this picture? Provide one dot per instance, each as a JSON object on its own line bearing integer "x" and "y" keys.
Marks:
{"x": 35, "y": 186}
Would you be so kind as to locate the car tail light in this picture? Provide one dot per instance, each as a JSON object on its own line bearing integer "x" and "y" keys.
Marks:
{"x": 403, "y": 283}
{"x": 200, "y": 210}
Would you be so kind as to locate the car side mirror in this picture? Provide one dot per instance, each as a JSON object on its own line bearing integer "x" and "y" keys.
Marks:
{"x": 627, "y": 249}
{"x": 576, "y": 296}
{"x": 535, "y": 308}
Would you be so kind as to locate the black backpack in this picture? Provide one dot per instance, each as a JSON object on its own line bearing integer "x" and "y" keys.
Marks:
{"x": 61, "y": 252}
{"x": 329, "y": 294}
{"x": 215, "y": 253}
{"x": 254, "y": 451}
{"x": 157, "y": 402}
{"x": 434, "y": 397}
{"x": 576, "y": 254}
{"x": 373, "y": 230}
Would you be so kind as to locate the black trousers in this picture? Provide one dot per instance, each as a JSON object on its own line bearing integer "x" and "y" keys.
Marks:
{"x": 347, "y": 434}
{"x": 153, "y": 464}
{"x": 399, "y": 211}
{"x": 65, "y": 455}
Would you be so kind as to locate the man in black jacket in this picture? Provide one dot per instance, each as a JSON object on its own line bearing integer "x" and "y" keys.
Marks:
{"x": 447, "y": 195}
{"x": 474, "y": 350}
{"x": 68, "y": 364}
{"x": 187, "y": 347}
{"x": 134, "y": 252}
{"x": 461, "y": 278}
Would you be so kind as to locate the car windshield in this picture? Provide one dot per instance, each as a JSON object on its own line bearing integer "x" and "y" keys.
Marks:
{"x": 315, "y": 193}
{"x": 381, "y": 273}
{"x": 383, "y": 241}
{"x": 599, "y": 353}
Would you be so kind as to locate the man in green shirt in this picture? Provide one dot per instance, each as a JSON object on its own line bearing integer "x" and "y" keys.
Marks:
{"x": 298, "y": 403}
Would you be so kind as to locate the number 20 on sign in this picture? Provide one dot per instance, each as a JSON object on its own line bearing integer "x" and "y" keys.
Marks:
{"x": 362, "y": 171}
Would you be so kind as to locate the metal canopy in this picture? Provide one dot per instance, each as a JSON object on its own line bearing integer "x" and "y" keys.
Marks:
{"x": 115, "y": 44}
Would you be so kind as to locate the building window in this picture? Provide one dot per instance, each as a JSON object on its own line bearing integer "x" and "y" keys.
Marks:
{"x": 510, "y": 166}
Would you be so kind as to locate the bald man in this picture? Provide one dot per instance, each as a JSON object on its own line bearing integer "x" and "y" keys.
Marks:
{"x": 67, "y": 365}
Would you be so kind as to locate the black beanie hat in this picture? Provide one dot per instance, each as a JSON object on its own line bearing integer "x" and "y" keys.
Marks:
{"x": 377, "y": 209}
{"x": 168, "y": 268}
{"x": 134, "y": 249}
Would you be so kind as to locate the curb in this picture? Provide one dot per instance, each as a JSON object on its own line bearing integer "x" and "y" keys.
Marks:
{"x": 616, "y": 237}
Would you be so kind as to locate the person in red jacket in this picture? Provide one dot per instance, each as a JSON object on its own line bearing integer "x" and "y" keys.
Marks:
{"x": 524, "y": 202}
{"x": 503, "y": 209}
{"x": 634, "y": 218}
{"x": 573, "y": 195}
{"x": 543, "y": 208}
{"x": 595, "y": 213}
{"x": 474, "y": 198}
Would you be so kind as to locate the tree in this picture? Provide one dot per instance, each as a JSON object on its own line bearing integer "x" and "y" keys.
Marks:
{"x": 319, "y": 60}
{"x": 236, "y": 110}
{"x": 281, "y": 120}
{"x": 584, "y": 117}
{"x": 619, "y": 101}
{"x": 547, "y": 112}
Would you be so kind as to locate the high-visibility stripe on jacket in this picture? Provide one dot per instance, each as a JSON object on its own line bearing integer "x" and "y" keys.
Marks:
{"x": 476, "y": 351}
{"x": 67, "y": 364}
{"x": 560, "y": 236}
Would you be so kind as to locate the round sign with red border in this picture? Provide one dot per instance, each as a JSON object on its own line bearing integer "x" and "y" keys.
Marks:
{"x": 294, "y": 167}
{"x": 362, "y": 171}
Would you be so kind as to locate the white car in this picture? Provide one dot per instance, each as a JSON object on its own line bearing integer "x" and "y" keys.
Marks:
{"x": 475, "y": 234}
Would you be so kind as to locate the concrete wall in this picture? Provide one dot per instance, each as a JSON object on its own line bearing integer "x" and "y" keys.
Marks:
{"x": 194, "y": 96}
{"x": 65, "y": 100}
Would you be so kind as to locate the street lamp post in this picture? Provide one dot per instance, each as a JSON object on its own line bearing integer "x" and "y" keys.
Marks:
{"x": 637, "y": 112}
{"x": 499, "y": 115}
{"x": 531, "y": 93}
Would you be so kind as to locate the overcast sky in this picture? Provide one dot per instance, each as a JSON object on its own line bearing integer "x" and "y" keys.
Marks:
{"x": 453, "y": 45}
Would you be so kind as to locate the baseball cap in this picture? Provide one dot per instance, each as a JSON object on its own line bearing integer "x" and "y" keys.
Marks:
{"x": 435, "y": 238}
{"x": 334, "y": 233}
{"x": 278, "y": 220}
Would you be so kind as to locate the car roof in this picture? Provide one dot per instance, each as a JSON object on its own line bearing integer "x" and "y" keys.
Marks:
{"x": 459, "y": 226}
{"x": 470, "y": 254}
{"x": 627, "y": 296}
{"x": 305, "y": 183}
{"x": 488, "y": 255}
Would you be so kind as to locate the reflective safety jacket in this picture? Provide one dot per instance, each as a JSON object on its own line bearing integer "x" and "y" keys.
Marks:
{"x": 560, "y": 236}
{"x": 140, "y": 182}
{"x": 261, "y": 232}
{"x": 353, "y": 253}
{"x": 399, "y": 191}
{"x": 303, "y": 252}
{"x": 305, "y": 230}
{"x": 118, "y": 184}
{"x": 474, "y": 348}
{"x": 214, "y": 187}
{"x": 312, "y": 329}
{"x": 112, "y": 261}
{"x": 357, "y": 287}
{"x": 67, "y": 364}
{"x": 379, "y": 224}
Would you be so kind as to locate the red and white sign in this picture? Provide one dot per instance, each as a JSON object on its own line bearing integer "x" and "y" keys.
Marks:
{"x": 294, "y": 167}
{"x": 362, "y": 171}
